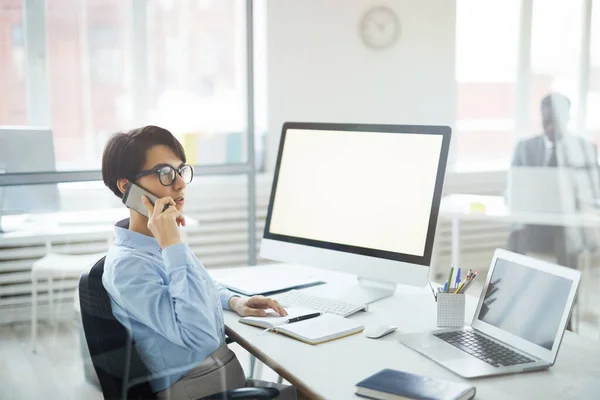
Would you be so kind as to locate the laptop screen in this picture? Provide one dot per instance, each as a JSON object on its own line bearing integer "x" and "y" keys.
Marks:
{"x": 525, "y": 302}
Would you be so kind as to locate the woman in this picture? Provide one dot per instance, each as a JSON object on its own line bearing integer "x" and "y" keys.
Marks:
{"x": 158, "y": 288}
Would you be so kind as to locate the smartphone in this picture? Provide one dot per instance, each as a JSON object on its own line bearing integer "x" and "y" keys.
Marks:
{"x": 133, "y": 198}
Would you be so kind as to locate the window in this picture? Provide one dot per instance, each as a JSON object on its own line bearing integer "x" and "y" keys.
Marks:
{"x": 197, "y": 76}
{"x": 593, "y": 98}
{"x": 487, "y": 40}
{"x": 555, "y": 54}
{"x": 13, "y": 109}
{"x": 106, "y": 59}
{"x": 90, "y": 90}
{"x": 189, "y": 55}
{"x": 486, "y": 64}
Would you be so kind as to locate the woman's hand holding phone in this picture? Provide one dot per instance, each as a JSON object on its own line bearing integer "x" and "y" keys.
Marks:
{"x": 164, "y": 225}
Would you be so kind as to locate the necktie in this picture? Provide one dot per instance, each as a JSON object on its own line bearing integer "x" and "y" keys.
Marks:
{"x": 553, "y": 160}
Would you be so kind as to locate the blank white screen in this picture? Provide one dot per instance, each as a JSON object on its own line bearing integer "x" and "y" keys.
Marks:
{"x": 366, "y": 189}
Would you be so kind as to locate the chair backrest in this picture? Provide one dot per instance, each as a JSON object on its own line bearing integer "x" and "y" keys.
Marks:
{"x": 115, "y": 359}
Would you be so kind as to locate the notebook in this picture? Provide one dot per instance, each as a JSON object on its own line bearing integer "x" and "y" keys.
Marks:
{"x": 321, "y": 329}
{"x": 389, "y": 384}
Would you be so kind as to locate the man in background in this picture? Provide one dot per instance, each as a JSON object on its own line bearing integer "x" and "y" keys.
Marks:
{"x": 556, "y": 148}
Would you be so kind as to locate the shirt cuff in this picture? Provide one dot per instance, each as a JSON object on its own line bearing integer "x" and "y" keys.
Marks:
{"x": 226, "y": 298}
{"x": 177, "y": 255}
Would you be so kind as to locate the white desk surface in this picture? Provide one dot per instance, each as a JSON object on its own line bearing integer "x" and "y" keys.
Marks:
{"x": 459, "y": 206}
{"x": 331, "y": 370}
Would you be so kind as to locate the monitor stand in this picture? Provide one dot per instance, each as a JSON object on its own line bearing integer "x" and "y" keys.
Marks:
{"x": 365, "y": 291}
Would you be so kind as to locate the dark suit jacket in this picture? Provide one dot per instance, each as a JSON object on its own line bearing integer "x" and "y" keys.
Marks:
{"x": 573, "y": 152}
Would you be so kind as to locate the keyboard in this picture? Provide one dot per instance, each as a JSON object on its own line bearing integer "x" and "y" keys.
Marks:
{"x": 294, "y": 298}
{"x": 483, "y": 348}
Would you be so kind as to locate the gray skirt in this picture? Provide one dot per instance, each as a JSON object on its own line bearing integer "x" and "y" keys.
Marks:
{"x": 219, "y": 372}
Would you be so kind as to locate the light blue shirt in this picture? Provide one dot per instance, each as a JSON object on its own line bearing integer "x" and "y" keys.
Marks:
{"x": 167, "y": 301}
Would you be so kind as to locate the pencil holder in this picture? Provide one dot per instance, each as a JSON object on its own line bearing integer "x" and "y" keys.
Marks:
{"x": 450, "y": 310}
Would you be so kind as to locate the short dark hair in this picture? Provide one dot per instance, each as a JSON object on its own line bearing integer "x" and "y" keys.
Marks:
{"x": 555, "y": 100}
{"x": 125, "y": 153}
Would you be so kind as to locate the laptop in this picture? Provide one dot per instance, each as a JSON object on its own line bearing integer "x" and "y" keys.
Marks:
{"x": 542, "y": 189}
{"x": 518, "y": 325}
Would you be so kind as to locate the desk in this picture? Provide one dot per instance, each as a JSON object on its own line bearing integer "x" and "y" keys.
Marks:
{"x": 330, "y": 370}
{"x": 457, "y": 208}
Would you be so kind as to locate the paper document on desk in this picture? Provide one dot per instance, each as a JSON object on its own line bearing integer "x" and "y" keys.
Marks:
{"x": 263, "y": 279}
{"x": 313, "y": 331}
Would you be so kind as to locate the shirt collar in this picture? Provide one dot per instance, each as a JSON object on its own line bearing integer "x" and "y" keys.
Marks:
{"x": 549, "y": 144}
{"x": 136, "y": 240}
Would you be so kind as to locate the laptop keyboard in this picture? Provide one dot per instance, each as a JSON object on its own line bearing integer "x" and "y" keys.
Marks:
{"x": 483, "y": 348}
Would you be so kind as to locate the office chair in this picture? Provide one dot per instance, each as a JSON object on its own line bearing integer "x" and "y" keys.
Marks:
{"x": 121, "y": 371}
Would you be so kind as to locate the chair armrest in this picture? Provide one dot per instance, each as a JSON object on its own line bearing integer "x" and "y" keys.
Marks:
{"x": 229, "y": 340}
{"x": 249, "y": 393}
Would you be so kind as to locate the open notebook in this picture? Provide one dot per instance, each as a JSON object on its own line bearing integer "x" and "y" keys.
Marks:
{"x": 323, "y": 328}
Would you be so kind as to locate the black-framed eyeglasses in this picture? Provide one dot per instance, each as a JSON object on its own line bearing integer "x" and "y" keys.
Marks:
{"x": 167, "y": 174}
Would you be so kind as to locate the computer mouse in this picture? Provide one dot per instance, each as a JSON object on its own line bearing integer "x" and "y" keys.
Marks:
{"x": 377, "y": 331}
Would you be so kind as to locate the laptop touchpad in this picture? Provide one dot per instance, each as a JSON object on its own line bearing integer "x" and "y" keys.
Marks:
{"x": 440, "y": 350}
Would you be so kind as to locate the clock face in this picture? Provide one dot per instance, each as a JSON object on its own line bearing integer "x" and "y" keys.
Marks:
{"x": 379, "y": 27}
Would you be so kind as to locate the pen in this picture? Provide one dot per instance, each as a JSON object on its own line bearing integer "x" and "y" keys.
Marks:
{"x": 302, "y": 317}
{"x": 291, "y": 320}
{"x": 457, "y": 280}
{"x": 466, "y": 286}
{"x": 449, "y": 278}
{"x": 432, "y": 291}
{"x": 460, "y": 287}
{"x": 445, "y": 287}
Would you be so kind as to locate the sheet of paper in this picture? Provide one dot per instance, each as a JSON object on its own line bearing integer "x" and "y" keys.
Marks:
{"x": 325, "y": 326}
{"x": 260, "y": 280}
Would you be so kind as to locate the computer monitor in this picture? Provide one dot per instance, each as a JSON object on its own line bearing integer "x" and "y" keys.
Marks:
{"x": 27, "y": 149}
{"x": 361, "y": 199}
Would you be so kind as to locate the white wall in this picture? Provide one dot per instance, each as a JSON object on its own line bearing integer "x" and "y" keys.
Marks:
{"x": 319, "y": 70}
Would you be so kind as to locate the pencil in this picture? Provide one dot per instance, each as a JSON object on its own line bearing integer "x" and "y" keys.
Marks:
{"x": 450, "y": 277}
